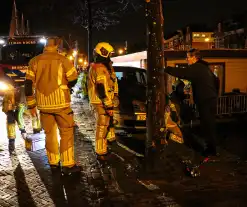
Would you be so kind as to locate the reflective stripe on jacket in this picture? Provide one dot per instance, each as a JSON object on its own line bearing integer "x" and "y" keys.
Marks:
{"x": 99, "y": 75}
{"x": 50, "y": 74}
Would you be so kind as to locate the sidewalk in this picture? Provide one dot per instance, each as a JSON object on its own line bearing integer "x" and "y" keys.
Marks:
{"x": 223, "y": 180}
{"x": 26, "y": 179}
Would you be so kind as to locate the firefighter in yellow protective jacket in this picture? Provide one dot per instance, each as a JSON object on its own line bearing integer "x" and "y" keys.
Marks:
{"x": 14, "y": 107}
{"x": 49, "y": 79}
{"x": 103, "y": 96}
{"x": 172, "y": 113}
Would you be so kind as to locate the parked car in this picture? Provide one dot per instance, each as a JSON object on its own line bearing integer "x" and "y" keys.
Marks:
{"x": 132, "y": 83}
{"x": 131, "y": 115}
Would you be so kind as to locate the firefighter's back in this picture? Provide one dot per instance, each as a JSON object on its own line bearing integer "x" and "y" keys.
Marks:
{"x": 51, "y": 83}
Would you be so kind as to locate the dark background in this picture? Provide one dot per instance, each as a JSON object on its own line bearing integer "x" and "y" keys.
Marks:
{"x": 59, "y": 21}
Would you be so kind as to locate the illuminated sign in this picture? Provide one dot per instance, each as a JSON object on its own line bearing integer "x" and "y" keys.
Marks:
{"x": 20, "y": 67}
{"x": 23, "y": 42}
{"x": 11, "y": 74}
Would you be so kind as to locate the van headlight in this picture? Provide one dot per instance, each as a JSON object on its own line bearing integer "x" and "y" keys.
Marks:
{"x": 3, "y": 86}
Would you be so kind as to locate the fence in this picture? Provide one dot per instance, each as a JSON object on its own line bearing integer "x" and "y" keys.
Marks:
{"x": 229, "y": 105}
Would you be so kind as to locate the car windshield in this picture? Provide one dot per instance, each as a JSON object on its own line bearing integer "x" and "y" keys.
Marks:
{"x": 132, "y": 77}
{"x": 20, "y": 53}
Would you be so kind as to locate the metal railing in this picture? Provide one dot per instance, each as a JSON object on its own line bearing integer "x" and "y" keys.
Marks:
{"x": 232, "y": 104}
{"x": 228, "y": 105}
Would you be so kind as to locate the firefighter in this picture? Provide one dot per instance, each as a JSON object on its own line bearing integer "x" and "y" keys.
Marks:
{"x": 13, "y": 109}
{"x": 49, "y": 79}
{"x": 103, "y": 96}
{"x": 21, "y": 105}
{"x": 172, "y": 113}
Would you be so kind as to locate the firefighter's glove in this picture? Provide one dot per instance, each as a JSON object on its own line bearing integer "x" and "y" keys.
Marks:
{"x": 109, "y": 111}
{"x": 115, "y": 101}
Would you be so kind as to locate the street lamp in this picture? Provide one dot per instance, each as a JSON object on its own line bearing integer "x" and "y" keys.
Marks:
{"x": 120, "y": 51}
{"x": 75, "y": 53}
{"x": 80, "y": 60}
{"x": 43, "y": 40}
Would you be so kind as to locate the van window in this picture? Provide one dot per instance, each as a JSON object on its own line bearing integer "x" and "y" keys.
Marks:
{"x": 133, "y": 77}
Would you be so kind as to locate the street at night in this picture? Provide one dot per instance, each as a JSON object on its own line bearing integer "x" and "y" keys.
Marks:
{"x": 26, "y": 179}
{"x": 136, "y": 103}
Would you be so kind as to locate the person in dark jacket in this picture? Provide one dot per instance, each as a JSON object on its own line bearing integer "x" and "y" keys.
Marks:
{"x": 205, "y": 92}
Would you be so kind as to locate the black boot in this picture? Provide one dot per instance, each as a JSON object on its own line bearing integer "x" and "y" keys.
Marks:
{"x": 102, "y": 159}
{"x": 112, "y": 145}
{"x": 11, "y": 145}
{"x": 55, "y": 168}
{"x": 76, "y": 169}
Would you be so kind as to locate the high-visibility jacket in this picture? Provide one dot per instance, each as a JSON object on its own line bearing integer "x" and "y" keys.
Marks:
{"x": 50, "y": 74}
{"x": 102, "y": 85}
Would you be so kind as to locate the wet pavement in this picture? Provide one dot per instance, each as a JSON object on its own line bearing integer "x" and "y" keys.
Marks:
{"x": 26, "y": 179}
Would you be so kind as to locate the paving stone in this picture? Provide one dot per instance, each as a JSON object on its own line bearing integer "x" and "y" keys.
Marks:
{"x": 26, "y": 179}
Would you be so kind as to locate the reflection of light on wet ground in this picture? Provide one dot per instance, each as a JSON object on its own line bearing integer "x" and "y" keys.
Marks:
{"x": 11, "y": 165}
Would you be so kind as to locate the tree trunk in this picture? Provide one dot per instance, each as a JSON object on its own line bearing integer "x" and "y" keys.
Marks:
{"x": 155, "y": 74}
{"x": 89, "y": 30}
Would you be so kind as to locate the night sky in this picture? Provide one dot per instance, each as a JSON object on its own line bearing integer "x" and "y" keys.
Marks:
{"x": 177, "y": 14}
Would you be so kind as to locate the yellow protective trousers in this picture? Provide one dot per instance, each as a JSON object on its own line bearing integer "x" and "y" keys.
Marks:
{"x": 64, "y": 121}
{"x": 173, "y": 126}
{"x": 104, "y": 130}
{"x": 16, "y": 116}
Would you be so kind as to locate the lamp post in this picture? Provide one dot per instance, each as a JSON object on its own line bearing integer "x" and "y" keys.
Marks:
{"x": 75, "y": 54}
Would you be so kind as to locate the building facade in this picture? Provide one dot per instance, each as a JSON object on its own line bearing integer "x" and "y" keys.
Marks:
{"x": 184, "y": 40}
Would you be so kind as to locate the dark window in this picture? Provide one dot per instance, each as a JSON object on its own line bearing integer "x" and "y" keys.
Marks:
{"x": 132, "y": 77}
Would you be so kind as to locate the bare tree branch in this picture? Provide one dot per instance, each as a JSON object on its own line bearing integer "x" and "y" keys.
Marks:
{"x": 104, "y": 12}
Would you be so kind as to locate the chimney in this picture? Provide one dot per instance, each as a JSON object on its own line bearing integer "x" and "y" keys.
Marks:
{"x": 13, "y": 30}
{"x": 22, "y": 25}
{"x": 28, "y": 28}
{"x": 16, "y": 19}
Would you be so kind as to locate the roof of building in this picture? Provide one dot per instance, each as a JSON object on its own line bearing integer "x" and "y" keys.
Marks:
{"x": 179, "y": 54}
